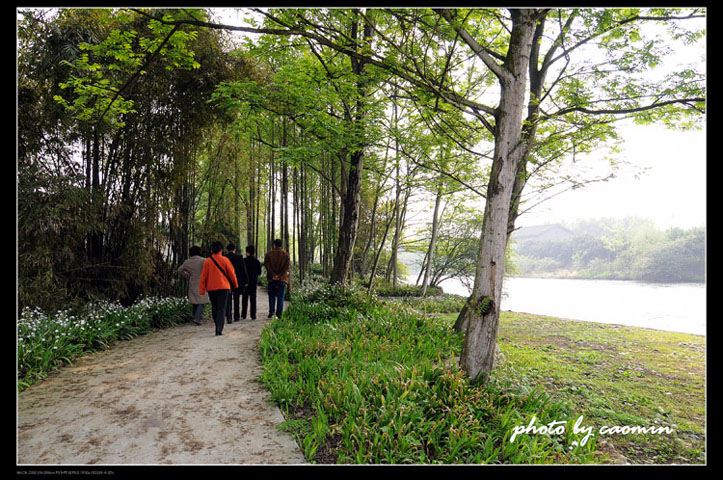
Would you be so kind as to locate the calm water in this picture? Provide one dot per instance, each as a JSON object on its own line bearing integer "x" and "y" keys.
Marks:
{"x": 662, "y": 306}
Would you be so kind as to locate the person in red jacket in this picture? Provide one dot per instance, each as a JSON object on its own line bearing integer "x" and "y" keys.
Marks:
{"x": 217, "y": 278}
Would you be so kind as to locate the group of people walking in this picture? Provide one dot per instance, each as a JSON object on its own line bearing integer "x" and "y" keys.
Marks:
{"x": 229, "y": 282}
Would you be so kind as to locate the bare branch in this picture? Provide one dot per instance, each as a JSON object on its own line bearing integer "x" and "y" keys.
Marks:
{"x": 624, "y": 111}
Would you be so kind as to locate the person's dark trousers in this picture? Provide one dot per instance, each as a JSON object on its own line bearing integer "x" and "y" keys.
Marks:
{"x": 218, "y": 307}
{"x": 248, "y": 299}
{"x": 277, "y": 290}
{"x": 235, "y": 294}
{"x": 197, "y": 312}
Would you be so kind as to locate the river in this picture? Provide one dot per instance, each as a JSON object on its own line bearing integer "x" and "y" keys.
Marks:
{"x": 676, "y": 307}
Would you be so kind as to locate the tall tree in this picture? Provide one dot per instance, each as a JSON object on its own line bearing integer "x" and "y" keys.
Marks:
{"x": 515, "y": 139}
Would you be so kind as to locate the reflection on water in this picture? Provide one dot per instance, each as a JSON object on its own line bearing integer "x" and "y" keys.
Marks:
{"x": 662, "y": 306}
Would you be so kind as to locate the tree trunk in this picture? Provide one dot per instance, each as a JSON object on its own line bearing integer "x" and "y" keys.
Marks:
{"x": 272, "y": 195}
{"x": 284, "y": 209}
{"x": 430, "y": 251}
{"x": 352, "y": 193}
{"x": 251, "y": 205}
{"x": 392, "y": 267}
{"x": 391, "y": 275}
{"x": 372, "y": 230}
{"x": 378, "y": 254}
{"x": 480, "y": 316}
{"x": 95, "y": 240}
{"x": 257, "y": 197}
{"x": 329, "y": 217}
{"x": 303, "y": 223}
{"x": 350, "y": 221}
{"x": 237, "y": 201}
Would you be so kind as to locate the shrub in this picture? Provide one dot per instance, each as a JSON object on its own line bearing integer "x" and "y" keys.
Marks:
{"x": 385, "y": 289}
{"x": 437, "y": 304}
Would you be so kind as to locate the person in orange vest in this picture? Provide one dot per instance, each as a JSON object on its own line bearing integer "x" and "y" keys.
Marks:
{"x": 217, "y": 278}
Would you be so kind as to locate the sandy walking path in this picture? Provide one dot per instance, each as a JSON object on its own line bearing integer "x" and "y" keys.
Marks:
{"x": 175, "y": 396}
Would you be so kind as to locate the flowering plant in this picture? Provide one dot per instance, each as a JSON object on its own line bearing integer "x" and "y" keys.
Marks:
{"x": 48, "y": 341}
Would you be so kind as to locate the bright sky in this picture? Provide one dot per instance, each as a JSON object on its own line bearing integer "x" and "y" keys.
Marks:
{"x": 672, "y": 192}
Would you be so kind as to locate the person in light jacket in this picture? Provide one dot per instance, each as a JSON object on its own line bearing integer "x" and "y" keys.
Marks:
{"x": 217, "y": 278}
{"x": 191, "y": 269}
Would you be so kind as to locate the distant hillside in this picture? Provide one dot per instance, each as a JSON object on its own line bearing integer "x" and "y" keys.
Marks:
{"x": 541, "y": 233}
{"x": 624, "y": 249}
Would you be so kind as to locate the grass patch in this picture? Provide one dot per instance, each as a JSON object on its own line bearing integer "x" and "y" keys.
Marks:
{"x": 364, "y": 381}
{"x": 615, "y": 376}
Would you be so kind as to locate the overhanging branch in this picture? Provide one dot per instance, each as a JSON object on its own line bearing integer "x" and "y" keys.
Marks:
{"x": 625, "y": 111}
{"x": 400, "y": 71}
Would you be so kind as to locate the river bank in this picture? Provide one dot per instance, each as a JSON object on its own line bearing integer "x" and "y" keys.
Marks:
{"x": 615, "y": 375}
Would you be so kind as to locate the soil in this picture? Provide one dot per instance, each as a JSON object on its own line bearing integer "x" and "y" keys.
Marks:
{"x": 180, "y": 396}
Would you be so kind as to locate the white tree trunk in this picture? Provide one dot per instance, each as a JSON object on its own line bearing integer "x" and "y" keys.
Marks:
{"x": 480, "y": 317}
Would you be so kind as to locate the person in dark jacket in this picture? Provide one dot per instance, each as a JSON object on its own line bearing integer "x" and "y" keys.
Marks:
{"x": 253, "y": 269}
{"x": 242, "y": 279}
{"x": 278, "y": 268}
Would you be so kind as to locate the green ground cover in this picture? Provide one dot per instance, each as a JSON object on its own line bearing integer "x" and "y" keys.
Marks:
{"x": 616, "y": 376}
{"x": 368, "y": 381}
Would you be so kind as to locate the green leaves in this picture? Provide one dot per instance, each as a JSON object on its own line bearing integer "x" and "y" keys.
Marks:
{"x": 105, "y": 71}
{"x": 377, "y": 384}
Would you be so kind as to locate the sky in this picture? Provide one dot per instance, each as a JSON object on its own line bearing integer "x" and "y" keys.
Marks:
{"x": 671, "y": 192}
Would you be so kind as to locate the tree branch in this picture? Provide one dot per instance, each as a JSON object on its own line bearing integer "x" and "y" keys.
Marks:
{"x": 150, "y": 58}
{"x": 400, "y": 71}
{"x": 480, "y": 51}
{"x": 624, "y": 111}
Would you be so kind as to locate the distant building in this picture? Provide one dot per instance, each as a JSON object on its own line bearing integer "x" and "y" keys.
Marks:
{"x": 541, "y": 233}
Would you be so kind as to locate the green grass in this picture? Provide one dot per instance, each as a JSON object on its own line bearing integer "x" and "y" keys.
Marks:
{"x": 46, "y": 342}
{"x": 615, "y": 375}
{"x": 364, "y": 381}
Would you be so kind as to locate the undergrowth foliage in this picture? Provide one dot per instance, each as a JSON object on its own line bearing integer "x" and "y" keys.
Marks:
{"x": 365, "y": 381}
{"x": 48, "y": 341}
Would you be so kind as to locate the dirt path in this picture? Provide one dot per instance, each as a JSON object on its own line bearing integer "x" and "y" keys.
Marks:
{"x": 176, "y": 396}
